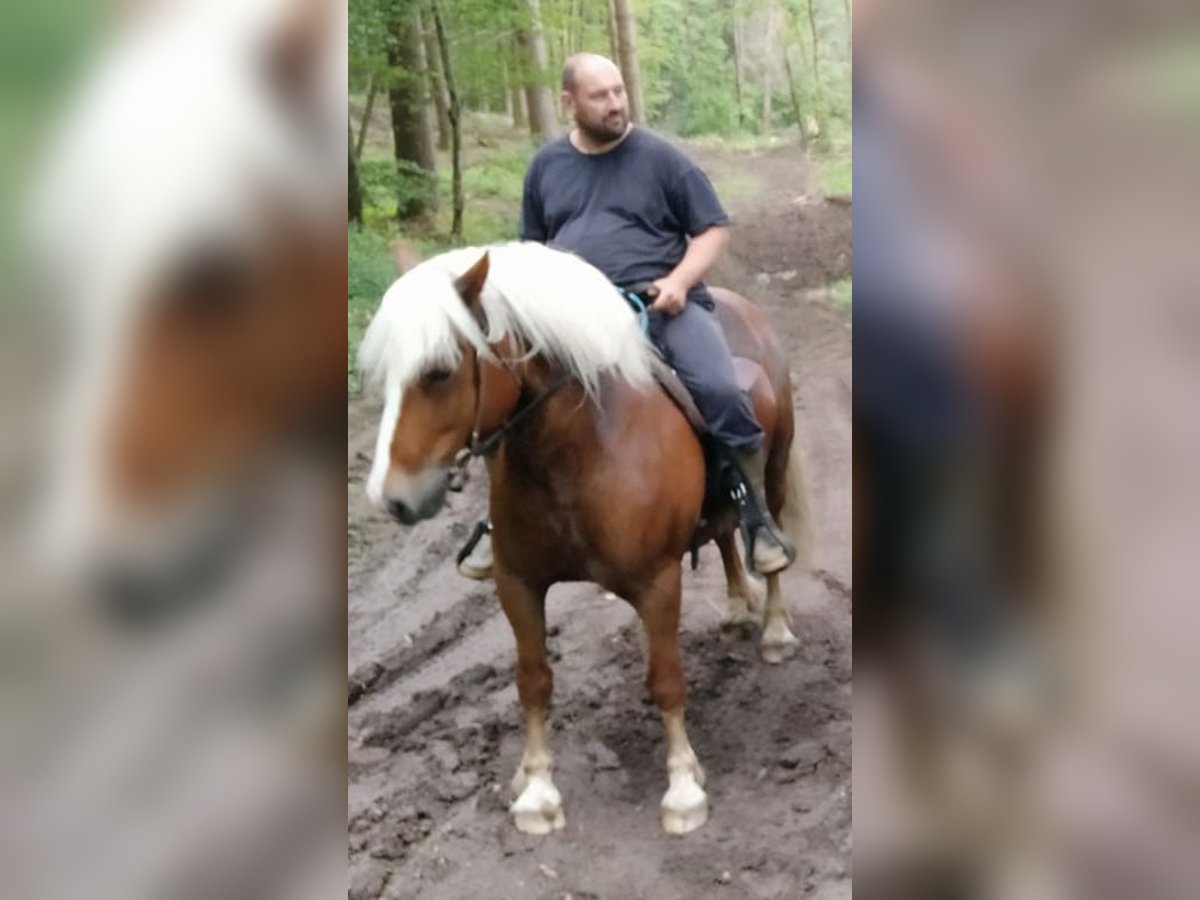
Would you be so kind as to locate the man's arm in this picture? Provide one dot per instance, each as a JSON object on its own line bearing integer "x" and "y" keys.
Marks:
{"x": 703, "y": 251}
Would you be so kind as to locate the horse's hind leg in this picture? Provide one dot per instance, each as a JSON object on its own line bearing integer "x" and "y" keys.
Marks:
{"x": 743, "y": 602}
{"x": 685, "y": 805}
{"x": 538, "y": 807}
{"x": 778, "y": 642}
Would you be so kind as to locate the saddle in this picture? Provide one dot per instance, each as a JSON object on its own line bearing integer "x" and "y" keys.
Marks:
{"x": 723, "y": 489}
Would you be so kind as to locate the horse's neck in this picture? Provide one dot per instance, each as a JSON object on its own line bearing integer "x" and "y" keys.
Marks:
{"x": 569, "y": 427}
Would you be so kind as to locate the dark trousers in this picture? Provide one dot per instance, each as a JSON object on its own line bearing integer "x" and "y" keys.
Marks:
{"x": 694, "y": 346}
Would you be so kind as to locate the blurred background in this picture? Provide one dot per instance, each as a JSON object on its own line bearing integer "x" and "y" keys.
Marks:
{"x": 1026, "y": 318}
{"x": 172, "y": 181}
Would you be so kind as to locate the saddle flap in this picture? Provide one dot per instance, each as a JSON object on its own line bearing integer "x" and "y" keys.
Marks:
{"x": 673, "y": 388}
{"x": 746, "y": 371}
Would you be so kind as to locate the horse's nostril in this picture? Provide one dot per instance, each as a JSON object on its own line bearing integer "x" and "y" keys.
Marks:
{"x": 400, "y": 512}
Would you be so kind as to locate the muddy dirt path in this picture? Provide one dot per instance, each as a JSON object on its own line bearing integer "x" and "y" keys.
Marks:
{"x": 434, "y": 723}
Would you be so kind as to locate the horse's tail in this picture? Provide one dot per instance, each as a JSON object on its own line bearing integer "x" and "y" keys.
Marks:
{"x": 795, "y": 518}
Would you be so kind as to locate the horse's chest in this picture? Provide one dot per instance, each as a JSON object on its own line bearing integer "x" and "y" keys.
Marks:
{"x": 554, "y": 526}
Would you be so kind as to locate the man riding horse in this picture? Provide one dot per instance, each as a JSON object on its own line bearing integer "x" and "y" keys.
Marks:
{"x": 641, "y": 212}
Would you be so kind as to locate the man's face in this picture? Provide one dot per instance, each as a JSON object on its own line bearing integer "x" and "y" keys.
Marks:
{"x": 598, "y": 103}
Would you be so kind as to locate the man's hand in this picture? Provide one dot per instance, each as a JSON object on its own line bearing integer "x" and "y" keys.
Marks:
{"x": 703, "y": 250}
{"x": 672, "y": 296}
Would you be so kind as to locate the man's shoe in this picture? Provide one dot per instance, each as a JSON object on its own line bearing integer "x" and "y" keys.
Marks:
{"x": 771, "y": 551}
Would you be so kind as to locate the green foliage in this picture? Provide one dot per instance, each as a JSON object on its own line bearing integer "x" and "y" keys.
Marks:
{"x": 397, "y": 184}
{"x": 841, "y": 293}
{"x": 835, "y": 175}
{"x": 371, "y": 271}
{"x": 502, "y": 174}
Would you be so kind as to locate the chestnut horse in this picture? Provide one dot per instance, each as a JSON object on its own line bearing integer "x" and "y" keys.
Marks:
{"x": 598, "y": 476}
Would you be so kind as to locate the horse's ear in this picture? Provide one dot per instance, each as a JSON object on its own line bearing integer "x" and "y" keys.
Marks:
{"x": 470, "y": 283}
{"x": 405, "y": 255}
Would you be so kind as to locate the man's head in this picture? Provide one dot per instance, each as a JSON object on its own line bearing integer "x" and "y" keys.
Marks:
{"x": 593, "y": 91}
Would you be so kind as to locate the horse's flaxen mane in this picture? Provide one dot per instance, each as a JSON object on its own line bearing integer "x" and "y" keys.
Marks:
{"x": 553, "y": 303}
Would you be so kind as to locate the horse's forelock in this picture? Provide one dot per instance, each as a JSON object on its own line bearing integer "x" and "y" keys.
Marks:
{"x": 419, "y": 325}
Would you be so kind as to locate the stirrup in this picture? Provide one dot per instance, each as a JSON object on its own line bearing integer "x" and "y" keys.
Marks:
{"x": 751, "y": 519}
{"x": 481, "y": 528}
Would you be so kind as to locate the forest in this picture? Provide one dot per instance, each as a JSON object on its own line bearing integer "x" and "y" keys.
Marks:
{"x": 450, "y": 98}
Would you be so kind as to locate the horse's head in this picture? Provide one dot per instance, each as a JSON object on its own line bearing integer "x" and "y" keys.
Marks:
{"x": 458, "y": 338}
{"x": 433, "y": 386}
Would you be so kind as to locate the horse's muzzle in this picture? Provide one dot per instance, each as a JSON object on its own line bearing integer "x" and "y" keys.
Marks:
{"x": 407, "y": 514}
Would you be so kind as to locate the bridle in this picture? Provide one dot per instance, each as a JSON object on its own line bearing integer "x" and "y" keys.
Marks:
{"x": 483, "y": 445}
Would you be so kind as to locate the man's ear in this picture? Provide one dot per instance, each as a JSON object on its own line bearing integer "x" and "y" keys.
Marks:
{"x": 470, "y": 285}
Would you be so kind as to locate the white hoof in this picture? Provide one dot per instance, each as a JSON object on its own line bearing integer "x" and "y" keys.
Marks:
{"x": 539, "y": 808}
{"x": 778, "y": 643}
{"x": 684, "y": 807}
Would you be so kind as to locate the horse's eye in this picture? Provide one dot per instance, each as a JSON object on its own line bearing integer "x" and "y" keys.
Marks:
{"x": 435, "y": 377}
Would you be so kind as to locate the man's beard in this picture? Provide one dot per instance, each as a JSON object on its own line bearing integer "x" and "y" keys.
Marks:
{"x": 603, "y": 131}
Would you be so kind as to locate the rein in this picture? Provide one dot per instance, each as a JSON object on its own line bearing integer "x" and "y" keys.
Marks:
{"x": 486, "y": 446}
{"x": 636, "y": 295}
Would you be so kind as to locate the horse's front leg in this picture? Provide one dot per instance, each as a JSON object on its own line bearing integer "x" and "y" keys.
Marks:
{"x": 538, "y": 806}
{"x": 685, "y": 805}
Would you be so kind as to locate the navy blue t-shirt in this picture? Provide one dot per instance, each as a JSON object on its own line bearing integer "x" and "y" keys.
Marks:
{"x": 628, "y": 212}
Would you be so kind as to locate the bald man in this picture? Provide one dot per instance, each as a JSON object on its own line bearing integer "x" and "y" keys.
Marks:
{"x": 639, "y": 210}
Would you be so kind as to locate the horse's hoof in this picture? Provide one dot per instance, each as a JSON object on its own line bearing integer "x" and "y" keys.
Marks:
{"x": 684, "y": 808}
{"x": 477, "y": 565}
{"x": 778, "y": 643}
{"x": 742, "y": 619}
{"x": 475, "y": 573}
{"x": 539, "y": 808}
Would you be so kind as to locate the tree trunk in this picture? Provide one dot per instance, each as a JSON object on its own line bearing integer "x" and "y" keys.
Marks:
{"x": 787, "y": 65}
{"x": 427, "y": 114}
{"x": 576, "y": 26}
{"x": 627, "y": 50}
{"x": 508, "y": 92}
{"x": 737, "y": 65}
{"x": 614, "y": 47}
{"x": 816, "y": 46}
{"x": 372, "y": 91}
{"x": 766, "y": 72}
{"x": 542, "y": 123}
{"x": 520, "y": 108}
{"x": 411, "y": 134}
{"x": 437, "y": 87}
{"x": 354, "y": 194}
{"x": 516, "y": 80}
{"x": 455, "y": 112}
